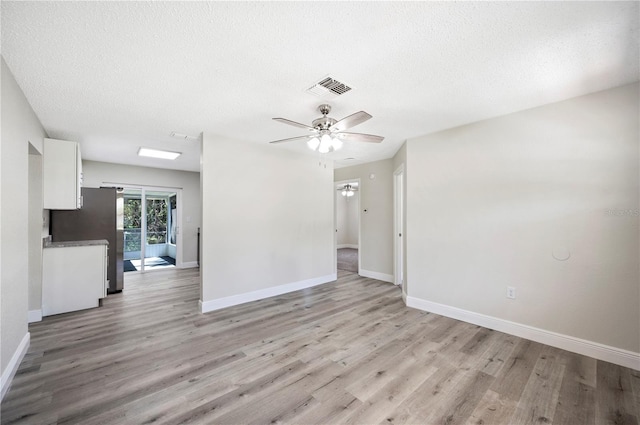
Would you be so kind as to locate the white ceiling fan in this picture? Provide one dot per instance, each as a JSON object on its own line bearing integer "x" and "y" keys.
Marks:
{"x": 327, "y": 134}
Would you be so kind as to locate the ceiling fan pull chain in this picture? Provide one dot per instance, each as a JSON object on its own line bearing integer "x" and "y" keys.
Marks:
{"x": 321, "y": 156}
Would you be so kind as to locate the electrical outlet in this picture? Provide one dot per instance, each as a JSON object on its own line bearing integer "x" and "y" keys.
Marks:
{"x": 511, "y": 292}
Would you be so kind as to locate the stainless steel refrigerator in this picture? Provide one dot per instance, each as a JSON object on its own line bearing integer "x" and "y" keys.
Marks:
{"x": 101, "y": 217}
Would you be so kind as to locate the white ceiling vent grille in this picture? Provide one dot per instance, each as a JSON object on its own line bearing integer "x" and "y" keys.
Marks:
{"x": 329, "y": 88}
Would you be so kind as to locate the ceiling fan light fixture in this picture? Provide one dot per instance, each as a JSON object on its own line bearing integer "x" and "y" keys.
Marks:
{"x": 326, "y": 144}
{"x": 313, "y": 143}
{"x": 325, "y": 140}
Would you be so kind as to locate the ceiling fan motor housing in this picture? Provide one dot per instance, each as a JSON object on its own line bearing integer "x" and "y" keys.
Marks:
{"x": 324, "y": 122}
{"x": 324, "y": 109}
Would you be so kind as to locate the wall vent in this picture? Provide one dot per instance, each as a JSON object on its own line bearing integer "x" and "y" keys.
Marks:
{"x": 329, "y": 88}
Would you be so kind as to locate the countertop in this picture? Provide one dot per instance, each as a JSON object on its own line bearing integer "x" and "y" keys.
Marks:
{"x": 48, "y": 244}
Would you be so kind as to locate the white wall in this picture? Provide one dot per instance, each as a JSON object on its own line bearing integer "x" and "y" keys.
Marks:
{"x": 20, "y": 126}
{"x": 341, "y": 221}
{"x": 352, "y": 215}
{"x": 35, "y": 234}
{"x": 376, "y": 226}
{"x": 98, "y": 173}
{"x": 400, "y": 158}
{"x": 489, "y": 203}
{"x": 267, "y": 221}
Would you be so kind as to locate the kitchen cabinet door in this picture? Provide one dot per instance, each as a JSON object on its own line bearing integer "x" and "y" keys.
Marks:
{"x": 73, "y": 278}
{"x": 62, "y": 173}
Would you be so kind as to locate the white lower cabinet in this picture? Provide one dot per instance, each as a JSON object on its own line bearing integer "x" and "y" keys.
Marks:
{"x": 73, "y": 277}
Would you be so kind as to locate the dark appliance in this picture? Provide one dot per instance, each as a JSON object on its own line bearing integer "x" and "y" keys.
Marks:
{"x": 101, "y": 217}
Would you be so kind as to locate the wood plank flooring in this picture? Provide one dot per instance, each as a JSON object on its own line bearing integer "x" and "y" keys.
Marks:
{"x": 347, "y": 352}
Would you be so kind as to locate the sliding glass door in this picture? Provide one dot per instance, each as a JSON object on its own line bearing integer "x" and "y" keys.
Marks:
{"x": 150, "y": 228}
{"x": 132, "y": 229}
{"x": 159, "y": 252}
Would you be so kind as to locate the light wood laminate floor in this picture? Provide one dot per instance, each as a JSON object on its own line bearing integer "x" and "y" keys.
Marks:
{"x": 348, "y": 352}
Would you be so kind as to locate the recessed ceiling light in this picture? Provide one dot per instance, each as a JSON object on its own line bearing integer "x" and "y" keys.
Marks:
{"x": 156, "y": 153}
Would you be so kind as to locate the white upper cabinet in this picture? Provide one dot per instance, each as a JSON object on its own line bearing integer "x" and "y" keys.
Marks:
{"x": 62, "y": 173}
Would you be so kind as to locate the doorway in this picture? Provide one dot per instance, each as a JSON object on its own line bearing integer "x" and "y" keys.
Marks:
{"x": 398, "y": 228}
{"x": 347, "y": 223}
{"x": 150, "y": 228}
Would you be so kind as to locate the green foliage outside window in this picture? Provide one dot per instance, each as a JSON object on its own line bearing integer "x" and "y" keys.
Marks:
{"x": 156, "y": 222}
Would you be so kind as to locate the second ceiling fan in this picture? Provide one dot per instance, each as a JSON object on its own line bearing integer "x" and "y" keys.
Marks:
{"x": 327, "y": 134}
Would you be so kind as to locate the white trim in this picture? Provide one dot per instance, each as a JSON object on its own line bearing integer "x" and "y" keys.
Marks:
{"x": 141, "y": 186}
{"x": 188, "y": 265}
{"x": 376, "y": 275}
{"x": 35, "y": 316}
{"x": 599, "y": 351}
{"x": 14, "y": 363}
{"x": 398, "y": 226}
{"x": 217, "y": 304}
{"x": 347, "y": 245}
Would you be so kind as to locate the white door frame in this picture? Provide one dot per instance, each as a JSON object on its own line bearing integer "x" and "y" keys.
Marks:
{"x": 398, "y": 227}
{"x": 335, "y": 223}
{"x": 143, "y": 189}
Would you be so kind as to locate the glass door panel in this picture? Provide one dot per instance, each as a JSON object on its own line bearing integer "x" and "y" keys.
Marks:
{"x": 133, "y": 218}
{"x": 158, "y": 247}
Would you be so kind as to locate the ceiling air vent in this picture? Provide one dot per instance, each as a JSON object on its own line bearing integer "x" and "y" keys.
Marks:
{"x": 329, "y": 88}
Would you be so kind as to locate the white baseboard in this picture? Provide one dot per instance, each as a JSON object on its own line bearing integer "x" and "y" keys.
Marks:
{"x": 35, "y": 316}
{"x": 376, "y": 275}
{"x": 188, "y": 265}
{"x": 14, "y": 363}
{"x": 347, "y": 245}
{"x": 599, "y": 351}
{"x": 212, "y": 305}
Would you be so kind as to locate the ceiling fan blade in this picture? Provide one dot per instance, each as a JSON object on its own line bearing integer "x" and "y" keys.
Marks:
{"x": 350, "y": 121}
{"x": 360, "y": 137}
{"x": 293, "y": 123}
{"x": 293, "y": 139}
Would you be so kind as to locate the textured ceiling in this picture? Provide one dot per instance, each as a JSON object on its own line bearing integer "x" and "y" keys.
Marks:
{"x": 119, "y": 75}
